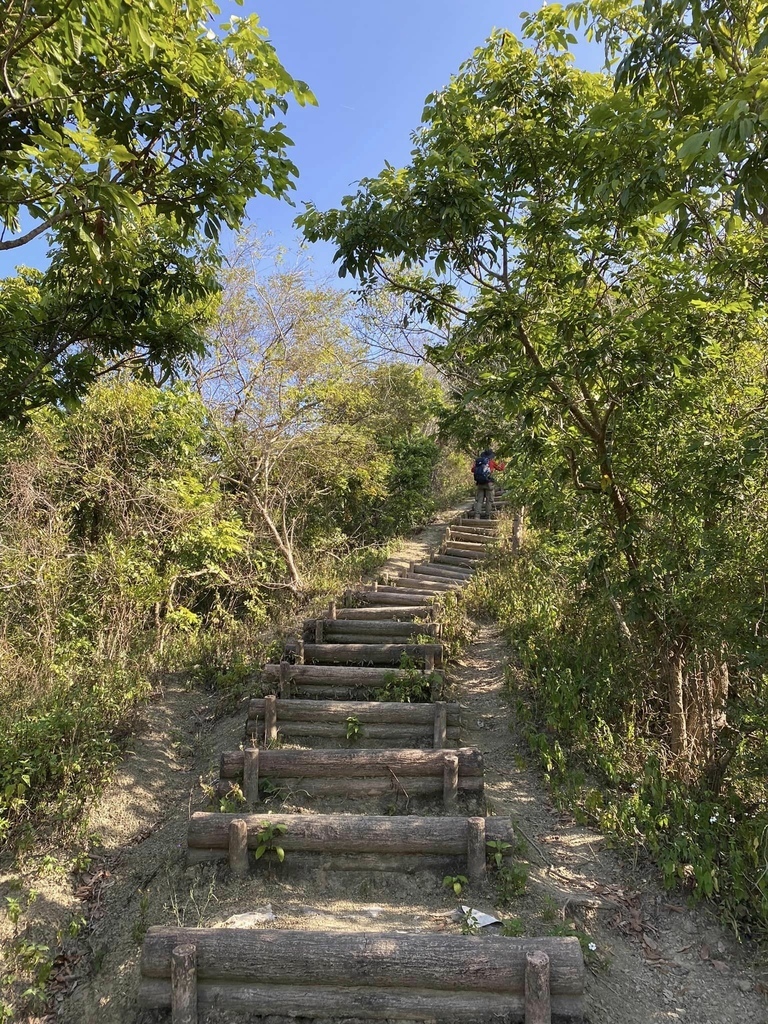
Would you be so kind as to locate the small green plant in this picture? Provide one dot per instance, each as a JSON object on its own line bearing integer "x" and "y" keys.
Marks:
{"x": 455, "y": 882}
{"x": 513, "y": 927}
{"x": 496, "y": 850}
{"x": 549, "y": 911}
{"x": 139, "y": 929}
{"x": 81, "y": 862}
{"x": 232, "y": 800}
{"x": 469, "y": 923}
{"x": 353, "y": 728}
{"x": 510, "y": 883}
{"x": 13, "y": 910}
{"x": 267, "y": 840}
{"x": 408, "y": 684}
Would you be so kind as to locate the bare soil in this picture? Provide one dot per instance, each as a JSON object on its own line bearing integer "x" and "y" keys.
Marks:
{"x": 654, "y": 958}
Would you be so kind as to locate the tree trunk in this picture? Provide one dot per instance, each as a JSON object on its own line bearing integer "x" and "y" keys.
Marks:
{"x": 674, "y": 679}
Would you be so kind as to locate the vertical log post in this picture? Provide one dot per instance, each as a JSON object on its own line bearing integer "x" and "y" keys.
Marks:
{"x": 441, "y": 722}
{"x": 238, "y": 848}
{"x": 184, "y": 984}
{"x": 429, "y": 662}
{"x": 300, "y": 651}
{"x": 318, "y": 631}
{"x": 450, "y": 781}
{"x": 476, "y": 849}
{"x": 332, "y": 610}
{"x": 270, "y": 719}
{"x": 285, "y": 679}
{"x": 251, "y": 776}
{"x": 538, "y": 1006}
{"x": 376, "y": 585}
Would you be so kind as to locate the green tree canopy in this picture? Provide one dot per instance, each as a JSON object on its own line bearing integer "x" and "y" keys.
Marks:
{"x": 131, "y": 133}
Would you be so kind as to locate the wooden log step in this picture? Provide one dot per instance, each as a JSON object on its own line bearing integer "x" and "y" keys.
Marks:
{"x": 461, "y": 552}
{"x": 453, "y": 979}
{"x": 442, "y": 572}
{"x": 392, "y": 595}
{"x": 465, "y": 533}
{"x": 485, "y": 526}
{"x": 370, "y": 736}
{"x": 384, "y": 785}
{"x": 401, "y": 613}
{"x": 373, "y": 654}
{"x": 411, "y": 580}
{"x": 468, "y": 545}
{"x": 455, "y": 560}
{"x": 374, "y": 638}
{"x": 208, "y": 835}
{"x": 341, "y": 676}
{"x": 387, "y": 627}
{"x": 353, "y": 764}
{"x": 367, "y": 712}
{"x": 343, "y": 773}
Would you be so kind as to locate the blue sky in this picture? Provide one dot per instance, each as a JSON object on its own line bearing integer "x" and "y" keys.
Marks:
{"x": 370, "y": 66}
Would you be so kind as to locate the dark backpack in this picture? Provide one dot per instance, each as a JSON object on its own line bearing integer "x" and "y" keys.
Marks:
{"x": 482, "y": 470}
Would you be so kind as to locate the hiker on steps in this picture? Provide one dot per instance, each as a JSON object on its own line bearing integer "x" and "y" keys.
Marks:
{"x": 483, "y": 469}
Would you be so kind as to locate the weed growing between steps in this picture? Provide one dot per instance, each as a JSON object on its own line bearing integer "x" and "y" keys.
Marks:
{"x": 585, "y": 700}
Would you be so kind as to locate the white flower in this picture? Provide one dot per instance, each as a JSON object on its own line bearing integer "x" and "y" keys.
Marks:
{"x": 592, "y": 947}
{"x": 713, "y": 819}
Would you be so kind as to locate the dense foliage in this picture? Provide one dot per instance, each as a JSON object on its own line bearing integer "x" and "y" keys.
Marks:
{"x": 593, "y": 248}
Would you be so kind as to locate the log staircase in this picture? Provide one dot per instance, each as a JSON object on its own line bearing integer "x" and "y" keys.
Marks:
{"x": 329, "y": 697}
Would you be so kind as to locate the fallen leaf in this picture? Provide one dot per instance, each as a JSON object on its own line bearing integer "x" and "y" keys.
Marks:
{"x": 704, "y": 952}
{"x": 720, "y": 965}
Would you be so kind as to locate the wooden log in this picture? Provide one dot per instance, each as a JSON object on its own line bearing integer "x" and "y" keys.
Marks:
{"x": 441, "y": 571}
{"x": 372, "y": 638}
{"x": 284, "y": 679}
{"x": 354, "y": 833}
{"x": 478, "y": 525}
{"x": 538, "y": 1005}
{"x": 453, "y": 560}
{"x": 462, "y": 552}
{"x": 465, "y": 533}
{"x": 450, "y": 781}
{"x": 477, "y": 836}
{"x": 400, "y": 960}
{"x": 344, "y": 691}
{"x": 300, "y": 650}
{"x": 335, "y": 627}
{"x": 184, "y": 984}
{"x": 332, "y": 610}
{"x": 237, "y": 846}
{"x": 291, "y": 1001}
{"x": 319, "y": 734}
{"x": 318, "y": 631}
{"x": 396, "y": 598}
{"x": 471, "y": 545}
{"x": 375, "y": 653}
{"x": 424, "y": 584}
{"x": 366, "y": 711}
{"x": 440, "y": 729}
{"x": 342, "y": 764}
{"x": 424, "y": 577}
{"x": 401, "y": 613}
{"x": 386, "y": 784}
{"x": 339, "y": 675}
{"x": 372, "y": 975}
{"x": 250, "y": 758}
{"x": 270, "y": 718}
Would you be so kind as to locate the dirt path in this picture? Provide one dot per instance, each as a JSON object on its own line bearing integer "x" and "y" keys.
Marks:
{"x": 654, "y": 960}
